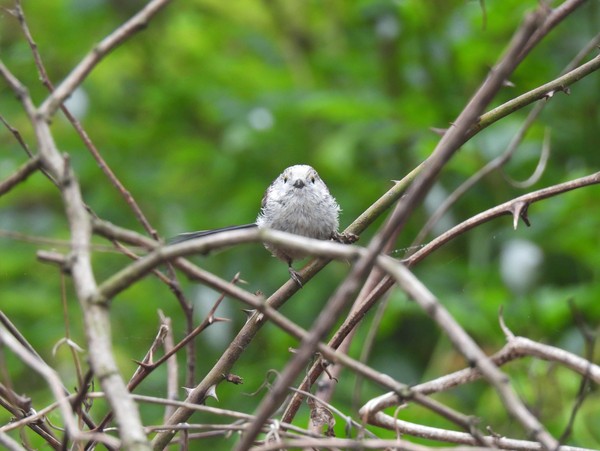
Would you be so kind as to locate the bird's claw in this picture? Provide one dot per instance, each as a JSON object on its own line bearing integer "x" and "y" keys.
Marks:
{"x": 296, "y": 277}
{"x": 344, "y": 238}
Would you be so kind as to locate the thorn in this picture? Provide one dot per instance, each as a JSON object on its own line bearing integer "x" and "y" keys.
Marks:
{"x": 143, "y": 364}
{"x": 216, "y": 319}
{"x": 219, "y": 319}
{"x": 564, "y": 89}
{"x": 438, "y": 131}
{"x": 212, "y": 392}
{"x": 519, "y": 211}
{"x": 507, "y": 332}
{"x": 237, "y": 279}
{"x": 524, "y": 216}
{"x": 249, "y": 311}
{"x": 493, "y": 433}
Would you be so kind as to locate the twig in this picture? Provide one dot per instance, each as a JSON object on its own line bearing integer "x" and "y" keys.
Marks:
{"x": 95, "y": 316}
{"x": 516, "y": 207}
{"x": 555, "y": 16}
{"x": 443, "y": 435}
{"x": 138, "y": 22}
{"x": 515, "y": 348}
{"x": 199, "y": 408}
{"x": 17, "y": 136}
{"x": 505, "y": 157}
{"x": 172, "y": 367}
{"x": 77, "y": 125}
{"x": 585, "y": 385}
{"x": 9, "y": 443}
{"x": 201, "y": 245}
{"x": 449, "y": 144}
{"x": 172, "y": 282}
{"x": 208, "y": 321}
{"x": 539, "y": 169}
{"x": 347, "y": 443}
{"x": 56, "y": 386}
{"x": 472, "y": 353}
{"x": 369, "y": 294}
{"x": 542, "y": 92}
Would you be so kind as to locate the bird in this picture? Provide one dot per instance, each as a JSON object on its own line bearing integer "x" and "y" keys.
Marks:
{"x": 298, "y": 202}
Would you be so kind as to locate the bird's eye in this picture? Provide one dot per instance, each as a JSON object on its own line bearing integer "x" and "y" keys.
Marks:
{"x": 285, "y": 179}
{"x": 312, "y": 179}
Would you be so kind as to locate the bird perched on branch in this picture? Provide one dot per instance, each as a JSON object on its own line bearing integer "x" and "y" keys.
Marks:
{"x": 297, "y": 202}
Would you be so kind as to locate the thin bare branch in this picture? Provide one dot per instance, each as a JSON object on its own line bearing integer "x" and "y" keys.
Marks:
{"x": 542, "y": 92}
{"x": 56, "y": 387}
{"x": 517, "y": 205}
{"x": 80, "y": 72}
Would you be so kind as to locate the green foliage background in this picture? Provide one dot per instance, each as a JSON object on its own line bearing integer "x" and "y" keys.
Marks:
{"x": 200, "y": 111}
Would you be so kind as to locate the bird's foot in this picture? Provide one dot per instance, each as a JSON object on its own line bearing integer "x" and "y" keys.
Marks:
{"x": 344, "y": 238}
{"x": 296, "y": 277}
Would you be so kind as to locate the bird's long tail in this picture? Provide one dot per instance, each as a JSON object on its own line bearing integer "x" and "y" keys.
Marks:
{"x": 191, "y": 235}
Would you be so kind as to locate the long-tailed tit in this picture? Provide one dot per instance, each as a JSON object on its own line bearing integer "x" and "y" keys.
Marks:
{"x": 297, "y": 202}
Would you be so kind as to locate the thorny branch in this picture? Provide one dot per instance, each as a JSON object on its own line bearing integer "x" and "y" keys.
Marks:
{"x": 95, "y": 299}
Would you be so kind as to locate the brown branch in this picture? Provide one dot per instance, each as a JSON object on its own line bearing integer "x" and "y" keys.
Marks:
{"x": 20, "y": 175}
{"x": 449, "y": 144}
{"x": 172, "y": 367}
{"x": 472, "y": 353}
{"x": 96, "y": 316}
{"x": 541, "y": 92}
{"x": 17, "y": 136}
{"x": 56, "y": 387}
{"x": 555, "y": 16}
{"x": 515, "y": 348}
{"x": 316, "y": 369}
{"x": 200, "y": 245}
{"x": 265, "y": 311}
{"x": 448, "y": 436}
{"x": 516, "y": 207}
{"x": 138, "y": 22}
{"x": 171, "y": 282}
{"x": 512, "y": 147}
